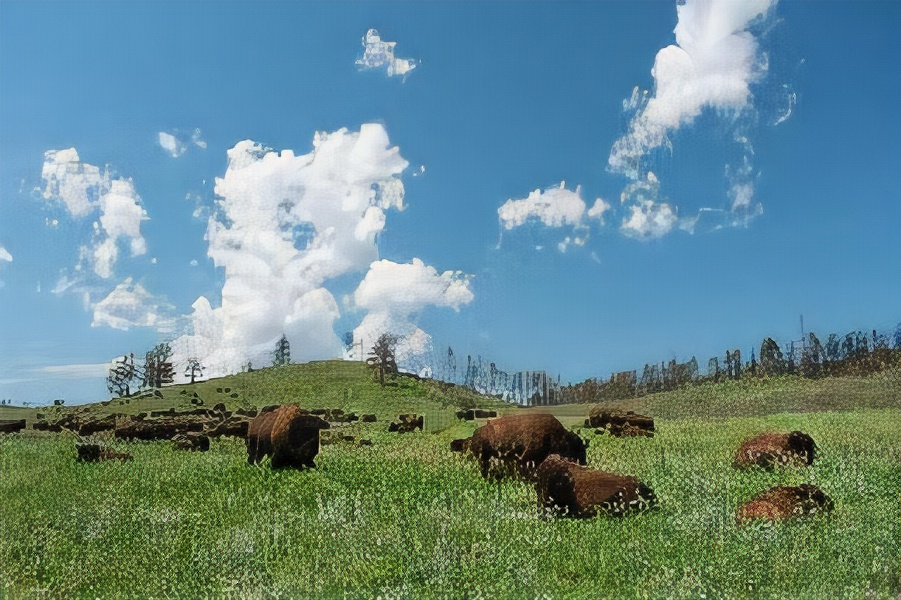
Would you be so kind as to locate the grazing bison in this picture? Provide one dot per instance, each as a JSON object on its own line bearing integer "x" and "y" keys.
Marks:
{"x": 107, "y": 423}
{"x": 11, "y": 425}
{"x": 522, "y": 442}
{"x": 96, "y": 452}
{"x": 582, "y": 492}
{"x": 156, "y": 429}
{"x": 620, "y": 424}
{"x": 781, "y": 503}
{"x": 773, "y": 448}
{"x": 192, "y": 441}
{"x": 288, "y": 434}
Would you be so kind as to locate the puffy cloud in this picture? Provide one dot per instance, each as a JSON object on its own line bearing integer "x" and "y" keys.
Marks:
{"x": 713, "y": 64}
{"x": 176, "y": 143}
{"x": 284, "y": 226}
{"x": 378, "y": 54}
{"x": 77, "y": 185}
{"x": 649, "y": 220}
{"x": 554, "y": 207}
{"x": 120, "y": 218}
{"x": 394, "y": 294}
{"x": 5, "y": 256}
{"x": 84, "y": 191}
{"x": 131, "y": 305}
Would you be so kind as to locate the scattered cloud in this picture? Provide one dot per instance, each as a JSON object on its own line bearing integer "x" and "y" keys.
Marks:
{"x": 554, "y": 207}
{"x": 5, "y": 256}
{"x": 394, "y": 294}
{"x": 712, "y": 65}
{"x": 283, "y": 226}
{"x": 131, "y": 305}
{"x": 84, "y": 191}
{"x": 649, "y": 220}
{"x": 77, "y": 185}
{"x": 176, "y": 143}
{"x": 379, "y": 55}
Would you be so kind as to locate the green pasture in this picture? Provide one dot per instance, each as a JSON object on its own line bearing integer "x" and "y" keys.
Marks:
{"x": 406, "y": 518}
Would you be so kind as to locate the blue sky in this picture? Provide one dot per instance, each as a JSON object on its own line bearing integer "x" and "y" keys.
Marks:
{"x": 551, "y": 218}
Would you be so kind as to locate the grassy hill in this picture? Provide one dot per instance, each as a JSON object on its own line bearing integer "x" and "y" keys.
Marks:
{"x": 406, "y": 518}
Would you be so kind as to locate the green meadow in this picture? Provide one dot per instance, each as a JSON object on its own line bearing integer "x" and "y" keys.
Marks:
{"x": 406, "y": 518}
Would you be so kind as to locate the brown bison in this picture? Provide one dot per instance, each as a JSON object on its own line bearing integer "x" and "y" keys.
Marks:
{"x": 582, "y": 492}
{"x": 620, "y": 424}
{"x": 522, "y": 442}
{"x": 11, "y": 425}
{"x": 192, "y": 441}
{"x": 288, "y": 434}
{"x": 781, "y": 503}
{"x": 96, "y": 453}
{"x": 156, "y": 429}
{"x": 773, "y": 448}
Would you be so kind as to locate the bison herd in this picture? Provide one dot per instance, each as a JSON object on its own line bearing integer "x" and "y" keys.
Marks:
{"x": 533, "y": 447}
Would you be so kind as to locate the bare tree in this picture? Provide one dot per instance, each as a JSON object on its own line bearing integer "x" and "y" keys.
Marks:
{"x": 122, "y": 375}
{"x": 194, "y": 369}
{"x": 158, "y": 369}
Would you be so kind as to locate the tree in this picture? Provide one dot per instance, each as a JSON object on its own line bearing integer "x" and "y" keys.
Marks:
{"x": 282, "y": 355}
{"x": 158, "y": 369}
{"x": 381, "y": 358}
{"x": 194, "y": 369}
{"x": 122, "y": 374}
{"x": 771, "y": 359}
{"x": 736, "y": 364}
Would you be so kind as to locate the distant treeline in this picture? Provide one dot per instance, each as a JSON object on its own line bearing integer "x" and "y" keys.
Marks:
{"x": 853, "y": 354}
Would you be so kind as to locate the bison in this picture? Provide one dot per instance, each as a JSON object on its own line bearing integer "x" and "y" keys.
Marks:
{"x": 11, "y": 425}
{"x": 156, "y": 429}
{"x": 288, "y": 434}
{"x": 781, "y": 503}
{"x": 582, "y": 492}
{"x": 522, "y": 442}
{"x": 192, "y": 441}
{"x": 620, "y": 424}
{"x": 773, "y": 448}
{"x": 96, "y": 453}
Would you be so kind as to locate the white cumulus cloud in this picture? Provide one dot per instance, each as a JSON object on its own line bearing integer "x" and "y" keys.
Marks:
{"x": 84, "y": 191}
{"x": 286, "y": 224}
{"x": 131, "y": 305}
{"x": 713, "y": 64}
{"x": 394, "y": 294}
{"x": 649, "y": 220}
{"x": 5, "y": 256}
{"x": 554, "y": 207}
{"x": 77, "y": 185}
{"x": 379, "y": 54}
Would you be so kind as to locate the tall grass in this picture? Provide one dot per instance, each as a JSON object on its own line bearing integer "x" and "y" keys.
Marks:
{"x": 405, "y": 518}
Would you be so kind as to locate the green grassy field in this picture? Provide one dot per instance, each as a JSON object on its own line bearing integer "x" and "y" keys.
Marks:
{"x": 406, "y": 518}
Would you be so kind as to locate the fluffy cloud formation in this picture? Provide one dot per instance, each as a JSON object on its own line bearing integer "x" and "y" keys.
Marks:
{"x": 176, "y": 144}
{"x": 394, "y": 294}
{"x": 378, "y": 54}
{"x": 713, "y": 64}
{"x": 84, "y": 191}
{"x": 131, "y": 305}
{"x": 77, "y": 185}
{"x": 554, "y": 207}
{"x": 284, "y": 226}
{"x": 649, "y": 220}
{"x": 5, "y": 256}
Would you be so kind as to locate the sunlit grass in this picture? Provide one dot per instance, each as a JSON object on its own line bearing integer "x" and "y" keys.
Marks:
{"x": 407, "y": 518}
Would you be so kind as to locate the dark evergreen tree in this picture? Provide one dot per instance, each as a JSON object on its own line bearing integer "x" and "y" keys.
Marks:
{"x": 381, "y": 358}
{"x": 282, "y": 354}
{"x": 771, "y": 358}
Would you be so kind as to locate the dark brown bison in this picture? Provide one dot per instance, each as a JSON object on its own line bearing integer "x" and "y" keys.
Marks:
{"x": 521, "y": 442}
{"x": 772, "y": 448}
{"x": 230, "y": 426}
{"x": 288, "y": 434}
{"x": 781, "y": 503}
{"x": 406, "y": 423}
{"x": 192, "y": 441}
{"x": 107, "y": 423}
{"x": 156, "y": 429}
{"x": 97, "y": 452}
{"x": 11, "y": 425}
{"x": 620, "y": 424}
{"x": 582, "y": 492}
